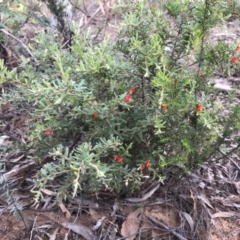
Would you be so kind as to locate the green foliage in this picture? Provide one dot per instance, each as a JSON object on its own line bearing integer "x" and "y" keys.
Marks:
{"x": 12, "y": 15}
{"x": 5, "y": 75}
{"x": 102, "y": 111}
{"x": 7, "y": 191}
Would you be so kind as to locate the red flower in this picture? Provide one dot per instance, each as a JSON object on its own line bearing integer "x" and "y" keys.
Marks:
{"x": 48, "y": 131}
{"x": 164, "y": 107}
{"x": 146, "y": 164}
{"x": 118, "y": 158}
{"x": 199, "y": 107}
{"x": 128, "y": 98}
{"x": 234, "y": 59}
{"x": 94, "y": 116}
{"x": 132, "y": 91}
{"x": 237, "y": 48}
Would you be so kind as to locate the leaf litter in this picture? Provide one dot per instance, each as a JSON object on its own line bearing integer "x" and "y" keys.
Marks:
{"x": 204, "y": 205}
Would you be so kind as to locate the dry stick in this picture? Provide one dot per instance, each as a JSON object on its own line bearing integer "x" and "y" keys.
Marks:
{"x": 80, "y": 229}
{"x": 153, "y": 184}
{"x": 23, "y": 45}
{"x": 228, "y": 153}
{"x": 234, "y": 163}
{"x": 158, "y": 223}
{"x": 91, "y": 18}
{"x": 34, "y": 223}
{"x": 145, "y": 197}
{"x": 85, "y": 12}
{"x": 77, "y": 216}
{"x": 6, "y": 176}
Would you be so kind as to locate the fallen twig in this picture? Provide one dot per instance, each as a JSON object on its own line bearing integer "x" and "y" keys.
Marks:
{"x": 145, "y": 197}
{"x": 91, "y": 18}
{"x": 160, "y": 224}
{"x": 23, "y": 45}
{"x": 80, "y": 229}
{"x": 6, "y": 176}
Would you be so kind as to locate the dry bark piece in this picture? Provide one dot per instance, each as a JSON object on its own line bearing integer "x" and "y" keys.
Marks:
{"x": 64, "y": 210}
{"x": 189, "y": 220}
{"x": 81, "y": 230}
{"x": 16, "y": 171}
{"x": 223, "y": 214}
{"x": 54, "y": 235}
{"x": 131, "y": 225}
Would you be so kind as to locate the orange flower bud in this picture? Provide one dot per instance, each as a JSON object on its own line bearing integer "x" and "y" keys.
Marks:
{"x": 146, "y": 164}
{"x": 143, "y": 166}
{"x": 237, "y": 48}
{"x": 132, "y": 91}
{"x": 48, "y": 131}
{"x": 94, "y": 116}
{"x": 118, "y": 158}
{"x": 199, "y": 107}
{"x": 164, "y": 107}
{"x": 128, "y": 98}
{"x": 234, "y": 59}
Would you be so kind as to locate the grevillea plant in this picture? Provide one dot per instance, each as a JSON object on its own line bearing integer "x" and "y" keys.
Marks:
{"x": 113, "y": 115}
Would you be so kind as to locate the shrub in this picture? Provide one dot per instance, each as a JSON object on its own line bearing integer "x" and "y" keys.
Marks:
{"x": 114, "y": 114}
